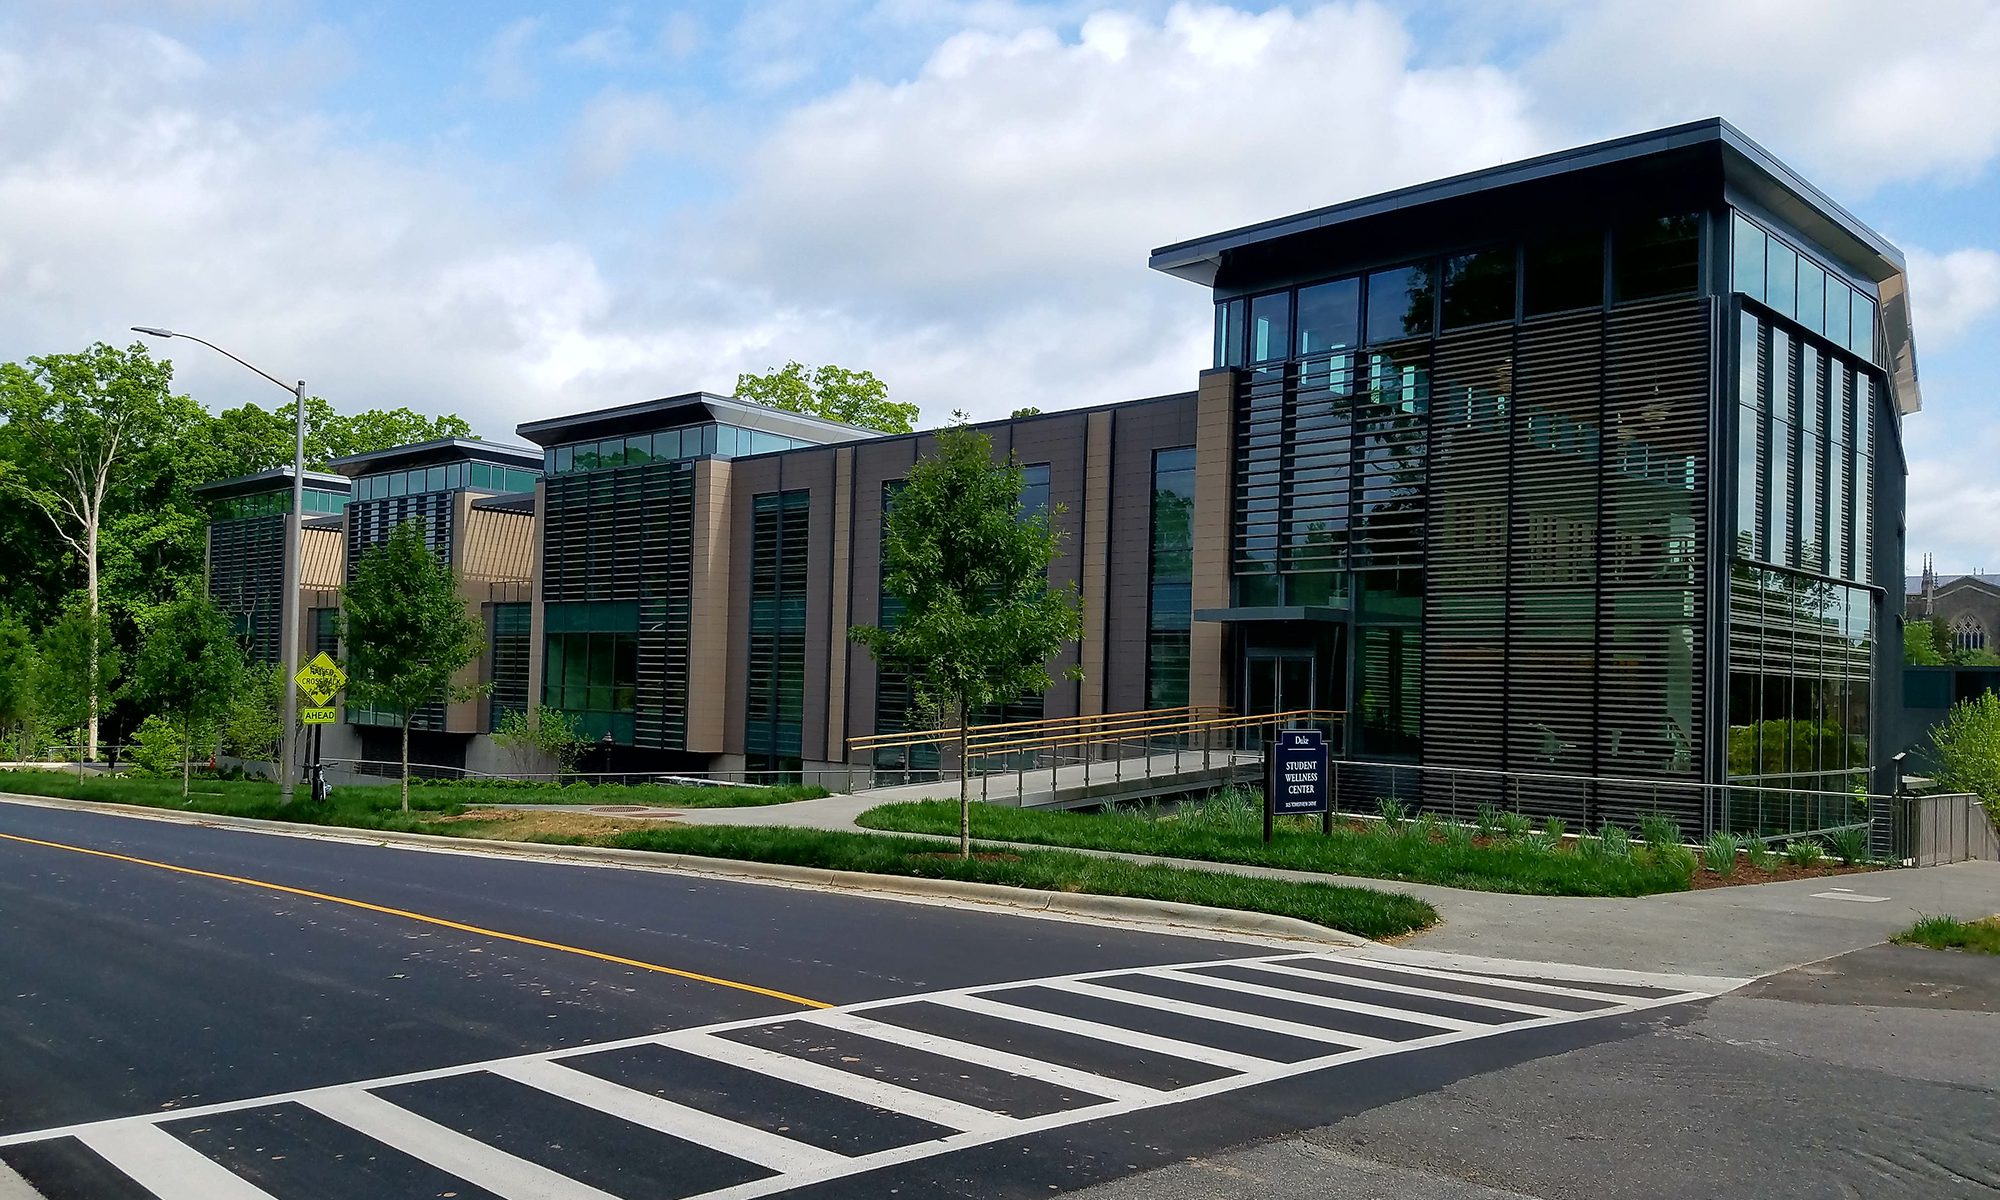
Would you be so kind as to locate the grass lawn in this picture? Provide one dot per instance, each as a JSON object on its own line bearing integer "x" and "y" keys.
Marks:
{"x": 252, "y": 798}
{"x": 1361, "y": 911}
{"x": 1229, "y": 828}
{"x": 1944, "y": 933}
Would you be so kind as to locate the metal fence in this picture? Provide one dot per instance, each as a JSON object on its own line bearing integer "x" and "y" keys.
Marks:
{"x": 1928, "y": 831}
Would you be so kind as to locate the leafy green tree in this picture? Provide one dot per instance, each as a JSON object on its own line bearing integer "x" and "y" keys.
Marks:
{"x": 1967, "y": 747}
{"x": 72, "y": 420}
{"x": 252, "y": 725}
{"x": 980, "y": 620}
{"x": 547, "y": 734}
{"x": 17, "y": 682}
{"x": 406, "y": 631}
{"x": 188, "y": 670}
{"x": 838, "y": 394}
{"x": 1025, "y": 411}
{"x": 75, "y": 662}
{"x": 1920, "y": 644}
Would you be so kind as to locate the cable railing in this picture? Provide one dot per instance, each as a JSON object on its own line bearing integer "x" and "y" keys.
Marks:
{"x": 1149, "y": 743}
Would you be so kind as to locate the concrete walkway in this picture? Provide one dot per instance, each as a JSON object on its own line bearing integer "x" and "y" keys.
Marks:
{"x": 1736, "y": 931}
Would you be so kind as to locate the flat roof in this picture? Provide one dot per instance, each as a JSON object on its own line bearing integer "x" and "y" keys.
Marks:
{"x": 689, "y": 408}
{"x": 438, "y": 450}
{"x": 1742, "y": 170}
{"x": 271, "y": 481}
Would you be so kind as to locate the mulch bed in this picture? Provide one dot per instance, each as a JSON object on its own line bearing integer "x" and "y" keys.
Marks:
{"x": 1705, "y": 878}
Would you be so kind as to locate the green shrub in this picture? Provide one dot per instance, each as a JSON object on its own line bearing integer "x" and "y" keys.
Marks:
{"x": 1673, "y": 858}
{"x": 1457, "y": 836}
{"x": 1514, "y": 825}
{"x": 1391, "y": 810}
{"x": 1802, "y": 852}
{"x": 157, "y": 748}
{"x": 1967, "y": 746}
{"x": 1758, "y": 852}
{"x": 1656, "y": 829}
{"x": 1554, "y": 828}
{"x": 1849, "y": 845}
{"x": 1614, "y": 841}
{"x": 1719, "y": 855}
{"x": 1489, "y": 820}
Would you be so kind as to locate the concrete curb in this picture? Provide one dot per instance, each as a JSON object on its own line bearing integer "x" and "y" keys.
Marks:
{"x": 1196, "y": 917}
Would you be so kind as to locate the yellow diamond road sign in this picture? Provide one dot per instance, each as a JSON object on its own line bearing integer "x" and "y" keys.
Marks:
{"x": 321, "y": 678}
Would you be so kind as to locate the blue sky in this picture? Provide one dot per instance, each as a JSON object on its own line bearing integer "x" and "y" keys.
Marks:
{"x": 513, "y": 210}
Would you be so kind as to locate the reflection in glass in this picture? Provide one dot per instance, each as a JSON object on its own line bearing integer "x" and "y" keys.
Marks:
{"x": 1781, "y": 279}
{"x": 1812, "y": 296}
{"x": 1747, "y": 257}
{"x": 1329, "y": 316}
{"x": 1479, "y": 287}
{"x": 1660, "y": 257}
{"x": 1563, "y": 273}
{"x": 1270, "y": 327}
{"x": 1399, "y": 303}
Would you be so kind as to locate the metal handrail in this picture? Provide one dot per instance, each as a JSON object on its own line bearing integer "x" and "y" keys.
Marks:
{"x": 923, "y": 737}
{"x": 1156, "y": 730}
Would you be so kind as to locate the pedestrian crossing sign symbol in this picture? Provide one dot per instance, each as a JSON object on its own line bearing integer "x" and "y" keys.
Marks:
{"x": 320, "y": 679}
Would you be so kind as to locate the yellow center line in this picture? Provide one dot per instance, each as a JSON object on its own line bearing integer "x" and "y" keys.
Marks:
{"x": 482, "y": 931}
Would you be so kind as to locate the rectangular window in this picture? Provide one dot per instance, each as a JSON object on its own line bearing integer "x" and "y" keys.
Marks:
{"x": 482, "y": 475}
{"x": 1660, "y": 257}
{"x": 1781, "y": 491}
{"x": 774, "y": 695}
{"x": 563, "y": 460}
{"x": 1812, "y": 296}
{"x": 1861, "y": 326}
{"x": 1170, "y": 590}
{"x": 1329, "y": 316}
{"x": 1035, "y": 490}
{"x": 1270, "y": 327}
{"x": 1400, "y": 301}
{"x": 1781, "y": 279}
{"x": 1479, "y": 287}
{"x": 1563, "y": 273}
{"x": 399, "y": 483}
{"x": 1229, "y": 333}
{"x": 434, "y": 479}
{"x": 1747, "y": 251}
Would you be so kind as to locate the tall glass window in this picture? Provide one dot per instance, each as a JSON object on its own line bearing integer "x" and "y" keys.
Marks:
{"x": 1229, "y": 332}
{"x": 1750, "y": 496}
{"x": 1170, "y": 591}
{"x": 1035, "y": 490}
{"x": 1780, "y": 486}
{"x": 1271, "y": 327}
{"x": 1479, "y": 287}
{"x": 1781, "y": 278}
{"x": 1563, "y": 273}
{"x": 1812, "y": 296}
{"x": 1747, "y": 251}
{"x": 1660, "y": 257}
{"x": 1400, "y": 302}
{"x": 774, "y": 690}
{"x": 1812, "y": 499}
{"x": 1329, "y": 316}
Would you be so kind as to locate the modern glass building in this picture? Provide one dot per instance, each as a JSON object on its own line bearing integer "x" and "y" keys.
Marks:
{"x": 246, "y": 550}
{"x": 1588, "y": 465}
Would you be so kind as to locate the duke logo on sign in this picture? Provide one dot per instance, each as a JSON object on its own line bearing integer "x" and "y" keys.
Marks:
{"x": 1298, "y": 772}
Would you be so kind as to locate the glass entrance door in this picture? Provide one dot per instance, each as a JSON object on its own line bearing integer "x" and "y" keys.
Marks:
{"x": 1276, "y": 681}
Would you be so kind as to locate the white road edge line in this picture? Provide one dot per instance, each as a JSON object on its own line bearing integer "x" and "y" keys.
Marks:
{"x": 822, "y": 1078}
{"x": 472, "y": 1160}
{"x": 168, "y": 1167}
{"x": 742, "y": 1141}
{"x": 1087, "y": 1082}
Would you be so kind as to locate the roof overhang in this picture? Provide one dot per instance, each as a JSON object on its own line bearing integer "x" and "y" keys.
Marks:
{"x": 692, "y": 408}
{"x": 432, "y": 453}
{"x": 275, "y": 479}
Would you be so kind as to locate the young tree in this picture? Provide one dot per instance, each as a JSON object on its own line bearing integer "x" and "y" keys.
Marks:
{"x": 980, "y": 621}
{"x": 1967, "y": 747}
{"x": 189, "y": 668}
{"x": 17, "y": 679}
{"x": 838, "y": 394}
{"x": 72, "y": 419}
{"x": 1920, "y": 644}
{"x": 545, "y": 735}
{"x": 406, "y": 632}
{"x": 252, "y": 726}
{"x": 75, "y": 663}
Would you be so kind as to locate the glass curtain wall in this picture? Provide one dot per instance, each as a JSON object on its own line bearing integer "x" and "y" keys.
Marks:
{"x": 1170, "y": 586}
{"x": 774, "y": 694}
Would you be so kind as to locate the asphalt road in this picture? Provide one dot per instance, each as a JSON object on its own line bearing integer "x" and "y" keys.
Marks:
{"x": 228, "y": 1014}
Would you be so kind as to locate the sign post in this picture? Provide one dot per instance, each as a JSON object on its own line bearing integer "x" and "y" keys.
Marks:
{"x": 1295, "y": 776}
{"x": 319, "y": 680}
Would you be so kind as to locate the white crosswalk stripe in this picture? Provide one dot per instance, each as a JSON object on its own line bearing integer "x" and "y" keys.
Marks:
{"x": 1155, "y": 1027}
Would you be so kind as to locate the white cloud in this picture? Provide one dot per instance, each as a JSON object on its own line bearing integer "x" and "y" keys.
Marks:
{"x": 1854, "y": 92}
{"x": 1949, "y": 293}
{"x": 609, "y": 46}
{"x": 615, "y": 128}
{"x": 502, "y": 65}
{"x": 1017, "y": 183}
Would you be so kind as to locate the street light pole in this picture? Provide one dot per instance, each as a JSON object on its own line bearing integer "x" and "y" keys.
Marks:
{"x": 288, "y": 607}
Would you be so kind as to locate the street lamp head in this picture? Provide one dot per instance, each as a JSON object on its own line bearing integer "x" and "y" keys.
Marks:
{"x": 150, "y": 331}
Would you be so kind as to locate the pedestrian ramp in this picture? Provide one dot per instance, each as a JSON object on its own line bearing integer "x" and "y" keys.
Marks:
{"x": 762, "y": 1106}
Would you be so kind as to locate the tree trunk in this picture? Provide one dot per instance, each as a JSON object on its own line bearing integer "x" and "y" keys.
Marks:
{"x": 90, "y": 576}
{"x": 406, "y": 764}
{"x": 187, "y": 753}
{"x": 964, "y": 790}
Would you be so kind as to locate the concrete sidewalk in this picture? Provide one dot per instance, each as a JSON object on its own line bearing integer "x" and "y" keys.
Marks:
{"x": 1736, "y": 931}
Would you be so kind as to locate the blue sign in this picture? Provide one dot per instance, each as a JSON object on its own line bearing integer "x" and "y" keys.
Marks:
{"x": 1298, "y": 772}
